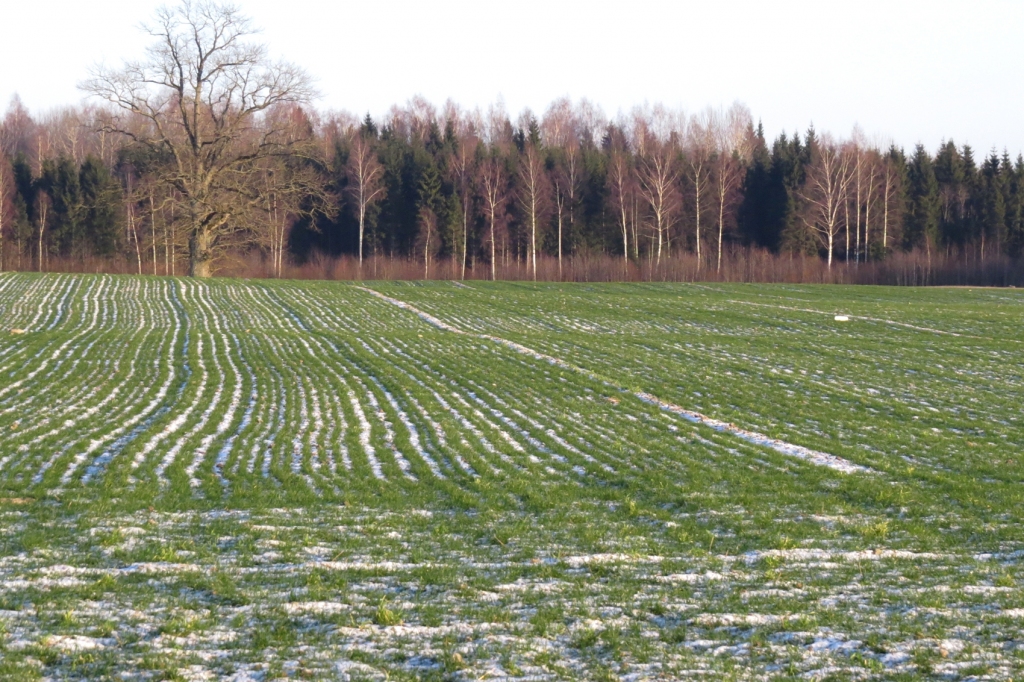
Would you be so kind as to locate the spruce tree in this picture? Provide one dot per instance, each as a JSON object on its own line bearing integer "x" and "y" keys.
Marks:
{"x": 922, "y": 221}
{"x": 993, "y": 207}
{"x": 61, "y": 180}
{"x": 101, "y": 201}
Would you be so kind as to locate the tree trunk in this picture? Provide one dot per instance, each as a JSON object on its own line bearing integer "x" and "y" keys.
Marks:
{"x": 426, "y": 256}
{"x": 658, "y": 219}
{"x": 200, "y": 256}
{"x": 698, "y": 225}
{"x": 625, "y": 240}
{"x": 173, "y": 242}
{"x": 494, "y": 269}
{"x": 846, "y": 207}
{"x": 721, "y": 226}
{"x": 465, "y": 234}
{"x": 857, "y": 236}
{"x": 559, "y": 244}
{"x": 42, "y": 228}
{"x": 362, "y": 221}
{"x": 135, "y": 238}
{"x": 152, "y": 221}
{"x": 533, "y": 238}
{"x": 885, "y": 215}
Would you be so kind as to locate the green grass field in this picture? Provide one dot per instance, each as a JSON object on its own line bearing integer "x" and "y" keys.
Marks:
{"x": 282, "y": 480}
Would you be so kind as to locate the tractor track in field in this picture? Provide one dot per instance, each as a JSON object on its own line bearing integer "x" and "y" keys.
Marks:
{"x": 753, "y": 437}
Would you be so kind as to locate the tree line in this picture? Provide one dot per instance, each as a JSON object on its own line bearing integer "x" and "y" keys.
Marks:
{"x": 208, "y": 150}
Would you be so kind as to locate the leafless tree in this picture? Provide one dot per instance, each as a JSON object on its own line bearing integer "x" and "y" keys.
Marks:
{"x": 825, "y": 192}
{"x": 734, "y": 134}
{"x": 700, "y": 154}
{"x": 132, "y": 198}
{"x": 19, "y": 129}
{"x": 890, "y": 191}
{"x": 6, "y": 184}
{"x": 367, "y": 177}
{"x": 5, "y": 190}
{"x": 657, "y": 172}
{"x": 493, "y": 184}
{"x": 562, "y": 127}
{"x": 871, "y": 189}
{"x": 427, "y": 237}
{"x": 620, "y": 184}
{"x": 461, "y": 166}
{"x": 204, "y": 90}
{"x": 532, "y": 194}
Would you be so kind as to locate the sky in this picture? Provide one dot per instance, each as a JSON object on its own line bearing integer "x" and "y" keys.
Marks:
{"x": 903, "y": 70}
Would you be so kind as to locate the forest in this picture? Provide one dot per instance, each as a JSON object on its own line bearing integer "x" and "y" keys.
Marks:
{"x": 213, "y": 178}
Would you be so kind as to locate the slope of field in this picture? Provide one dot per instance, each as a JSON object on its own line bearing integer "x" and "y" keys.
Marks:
{"x": 273, "y": 480}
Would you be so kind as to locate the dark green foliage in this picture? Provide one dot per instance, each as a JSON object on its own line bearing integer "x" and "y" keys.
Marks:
{"x": 921, "y": 227}
{"x": 768, "y": 213}
{"x": 1014, "y": 206}
{"x": 101, "y": 214}
{"x": 60, "y": 180}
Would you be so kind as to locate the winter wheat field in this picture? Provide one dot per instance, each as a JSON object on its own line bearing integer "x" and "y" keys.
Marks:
{"x": 280, "y": 480}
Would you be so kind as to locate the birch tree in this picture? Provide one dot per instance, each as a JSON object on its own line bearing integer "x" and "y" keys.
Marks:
{"x": 532, "y": 190}
{"x": 700, "y": 152}
{"x": 735, "y": 145}
{"x": 493, "y": 186}
{"x": 620, "y": 184}
{"x": 461, "y": 166}
{"x": 367, "y": 177}
{"x": 428, "y": 236}
{"x": 562, "y": 129}
{"x": 657, "y": 174}
{"x": 825, "y": 191}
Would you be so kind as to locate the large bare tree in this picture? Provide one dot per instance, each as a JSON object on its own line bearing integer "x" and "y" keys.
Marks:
{"x": 203, "y": 91}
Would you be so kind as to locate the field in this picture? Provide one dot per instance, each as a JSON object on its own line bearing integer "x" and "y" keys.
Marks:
{"x": 281, "y": 480}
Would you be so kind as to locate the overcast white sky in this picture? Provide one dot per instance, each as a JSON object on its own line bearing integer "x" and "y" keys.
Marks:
{"x": 912, "y": 71}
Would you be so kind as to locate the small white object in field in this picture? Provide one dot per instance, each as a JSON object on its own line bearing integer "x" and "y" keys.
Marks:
{"x": 17, "y": 331}
{"x": 842, "y": 318}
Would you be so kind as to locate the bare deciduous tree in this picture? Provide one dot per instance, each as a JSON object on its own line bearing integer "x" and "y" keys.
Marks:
{"x": 532, "y": 193}
{"x": 734, "y": 133}
{"x": 825, "y": 192}
{"x": 494, "y": 190}
{"x": 461, "y": 166}
{"x": 620, "y": 182}
{"x": 890, "y": 191}
{"x": 700, "y": 152}
{"x": 204, "y": 90}
{"x": 5, "y": 175}
{"x": 427, "y": 237}
{"x": 658, "y": 178}
{"x": 367, "y": 177}
{"x": 562, "y": 129}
